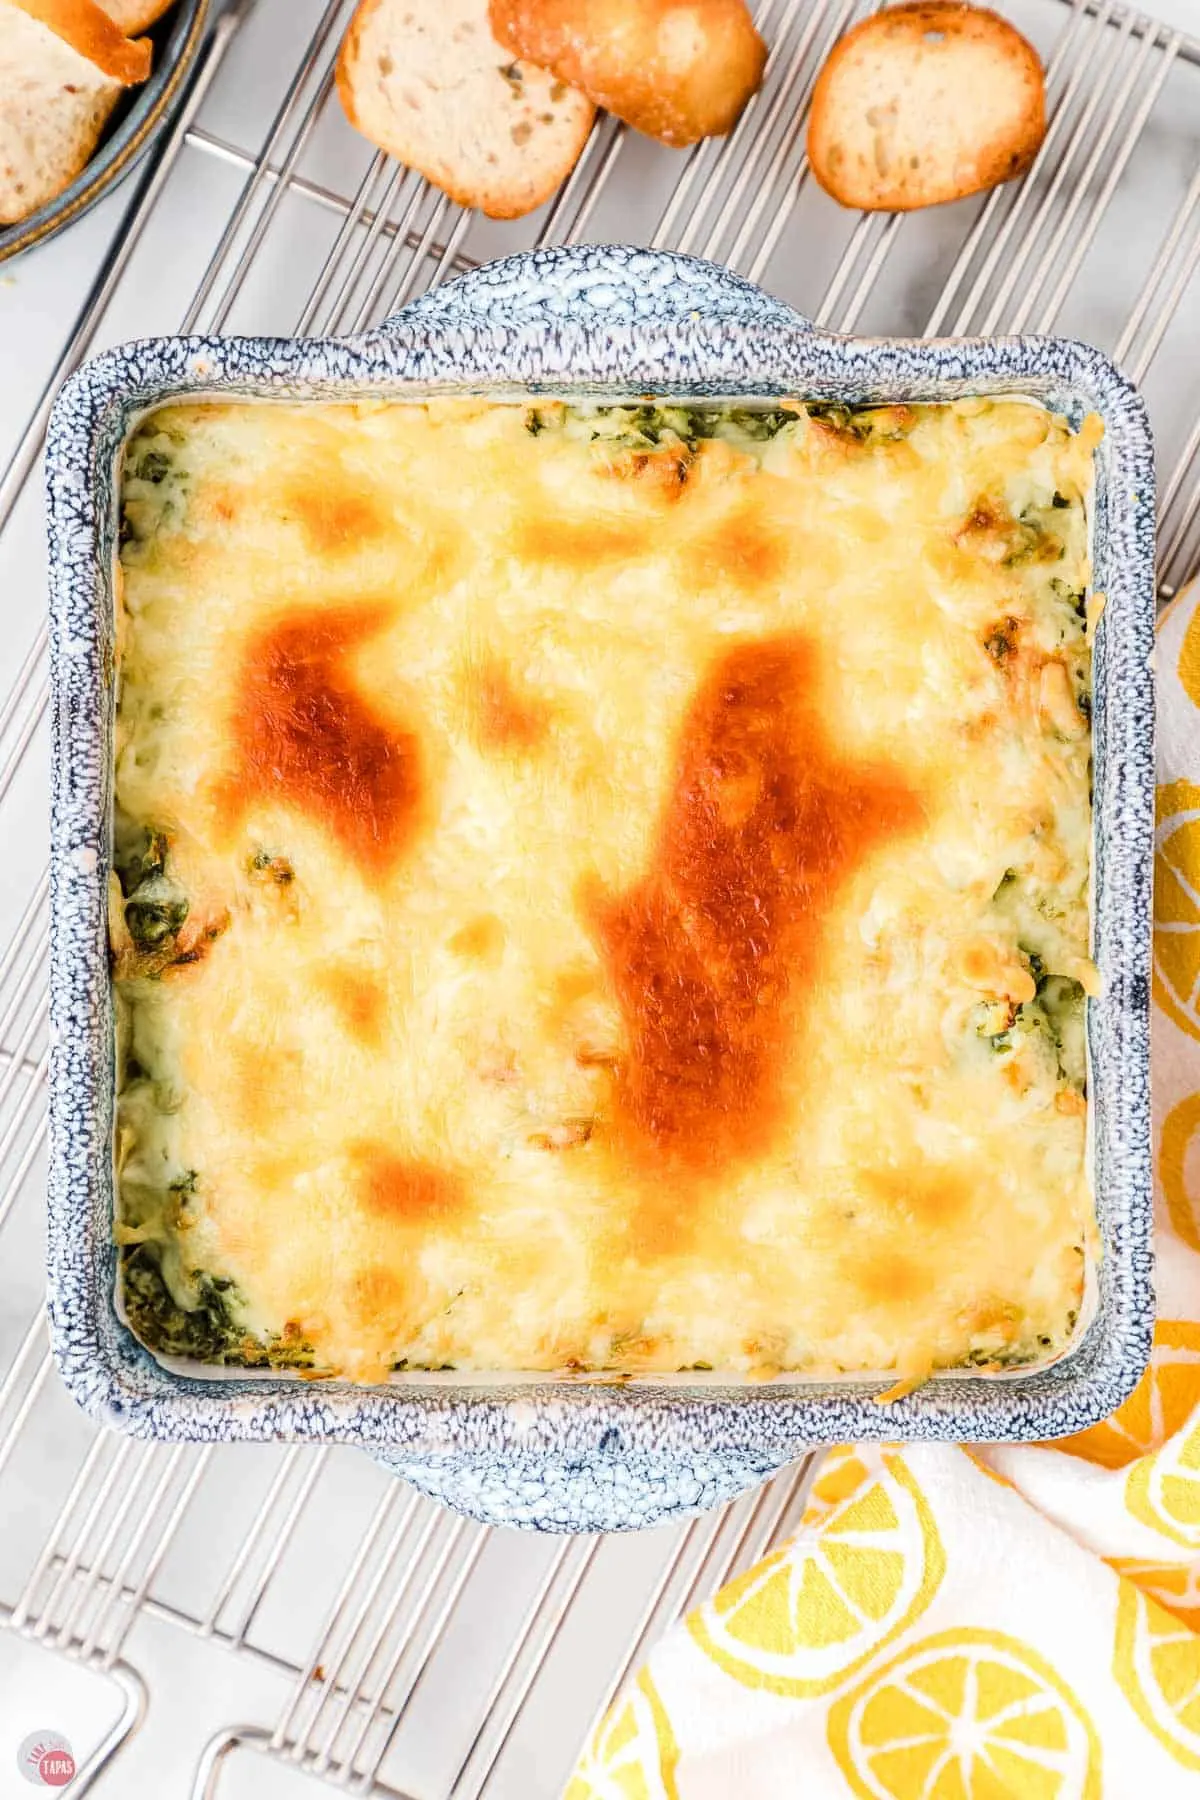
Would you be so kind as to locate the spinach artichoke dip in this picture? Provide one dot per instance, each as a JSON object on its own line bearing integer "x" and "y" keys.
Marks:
{"x": 603, "y": 887}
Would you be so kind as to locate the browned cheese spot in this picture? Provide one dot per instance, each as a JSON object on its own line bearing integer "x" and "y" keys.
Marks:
{"x": 306, "y": 736}
{"x": 335, "y": 514}
{"x": 480, "y": 940}
{"x": 578, "y": 543}
{"x": 743, "y": 549}
{"x": 404, "y": 1191}
{"x": 358, "y": 1000}
{"x": 712, "y": 954}
{"x": 504, "y": 715}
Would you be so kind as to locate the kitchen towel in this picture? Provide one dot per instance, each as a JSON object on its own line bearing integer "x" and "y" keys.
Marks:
{"x": 1015, "y": 1622}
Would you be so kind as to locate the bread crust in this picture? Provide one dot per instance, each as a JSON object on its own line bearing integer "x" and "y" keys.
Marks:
{"x": 348, "y": 55}
{"x": 133, "y": 16}
{"x": 53, "y": 106}
{"x": 88, "y": 29}
{"x": 894, "y": 155}
{"x": 677, "y": 70}
{"x": 501, "y": 197}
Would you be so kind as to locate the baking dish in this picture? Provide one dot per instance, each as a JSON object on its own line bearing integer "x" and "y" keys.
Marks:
{"x": 582, "y": 1453}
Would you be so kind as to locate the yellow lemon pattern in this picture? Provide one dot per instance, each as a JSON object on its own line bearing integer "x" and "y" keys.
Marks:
{"x": 1176, "y": 1586}
{"x": 966, "y": 1715}
{"x": 1159, "y": 1406}
{"x": 1179, "y": 1128}
{"x": 1163, "y": 1490}
{"x": 1189, "y": 660}
{"x": 633, "y": 1753}
{"x": 1177, "y": 904}
{"x": 1156, "y": 1662}
{"x": 866, "y": 1565}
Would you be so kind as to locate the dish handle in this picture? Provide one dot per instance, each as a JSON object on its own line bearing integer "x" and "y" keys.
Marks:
{"x": 599, "y": 1490}
{"x": 594, "y": 285}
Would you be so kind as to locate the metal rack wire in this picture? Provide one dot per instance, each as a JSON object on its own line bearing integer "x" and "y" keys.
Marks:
{"x": 135, "y": 1538}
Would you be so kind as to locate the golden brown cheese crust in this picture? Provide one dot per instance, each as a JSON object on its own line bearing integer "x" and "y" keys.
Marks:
{"x": 634, "y": 883}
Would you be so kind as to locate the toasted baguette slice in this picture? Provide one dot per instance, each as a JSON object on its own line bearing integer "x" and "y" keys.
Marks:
{"x": 427, "y": 81}
{"x": 53, "y": 105}
{"x": 87, "y": 28}
{"x": 676, "y": 69}
{"x": 133, "y": 16}
{"x": 923, "y": 103}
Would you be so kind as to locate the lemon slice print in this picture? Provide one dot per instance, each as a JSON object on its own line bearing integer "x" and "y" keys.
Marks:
{"x": 1163, "y": 1490}
{"x": 1179, "y": 1127}
{"x": 1177, "y": 904}
{"x": 633, "y": 1753}
{"x": 1176, "y": 1586}
{"x": 1188, "y": 666}
{"x": 1159, "y": 1406}
{"x": 966, "y": 1715}
{"x": 1156, "y": 1662}
{"x": 867, "y": 1562}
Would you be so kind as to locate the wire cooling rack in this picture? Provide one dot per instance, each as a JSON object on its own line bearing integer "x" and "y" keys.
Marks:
{"x": 211, "y": 1620}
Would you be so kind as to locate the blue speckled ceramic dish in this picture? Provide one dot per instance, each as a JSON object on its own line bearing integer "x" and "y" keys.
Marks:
{"x": 141, "y": 113}
{"x": 579, "y": 1454}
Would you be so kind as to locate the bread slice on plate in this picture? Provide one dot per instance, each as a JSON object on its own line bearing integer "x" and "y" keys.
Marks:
{"x": 926, "y": 102}
{"x": 88, "y": 29}
{"x": 427, "y": 81}
{"x": 53, "y": 105}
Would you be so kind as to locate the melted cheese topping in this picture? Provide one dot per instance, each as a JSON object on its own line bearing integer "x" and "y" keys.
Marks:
{"x": 636, "y": 882}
